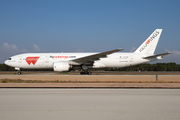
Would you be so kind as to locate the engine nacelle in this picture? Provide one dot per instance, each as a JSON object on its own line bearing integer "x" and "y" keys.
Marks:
{"x": 98, "y": 65}
{"x": 61, "y": 66}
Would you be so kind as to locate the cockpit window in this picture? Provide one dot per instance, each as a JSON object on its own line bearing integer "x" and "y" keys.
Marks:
{"x": 9, "y": 58}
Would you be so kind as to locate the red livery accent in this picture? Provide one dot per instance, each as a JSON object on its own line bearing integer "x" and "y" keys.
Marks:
{"x": 148, "y": 41}
{"x": 32, "y": 60}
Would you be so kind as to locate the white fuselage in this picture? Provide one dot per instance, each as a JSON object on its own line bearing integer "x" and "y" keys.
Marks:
{"x": 46, "y": 60}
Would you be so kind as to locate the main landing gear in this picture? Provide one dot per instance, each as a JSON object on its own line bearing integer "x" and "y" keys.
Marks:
{"x": 85, "y": 72}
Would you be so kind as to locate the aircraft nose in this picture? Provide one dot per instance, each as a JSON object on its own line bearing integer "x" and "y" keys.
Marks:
{"x": 6, "y": 62}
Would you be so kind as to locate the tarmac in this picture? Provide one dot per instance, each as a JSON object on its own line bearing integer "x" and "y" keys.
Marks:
{"x": 89, "y": 104}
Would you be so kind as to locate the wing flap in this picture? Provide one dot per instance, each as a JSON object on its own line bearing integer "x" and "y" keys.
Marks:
{"x": 158, "y": 55}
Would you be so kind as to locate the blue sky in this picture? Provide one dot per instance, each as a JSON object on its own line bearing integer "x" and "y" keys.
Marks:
{"x": 87, "y": 26}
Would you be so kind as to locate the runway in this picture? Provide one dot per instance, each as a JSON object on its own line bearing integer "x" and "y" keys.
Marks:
{"x": 89, "y": 104}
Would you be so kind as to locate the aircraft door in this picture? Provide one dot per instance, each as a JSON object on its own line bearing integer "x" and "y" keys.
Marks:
{"x": 41, "y": 61}
{"x": 130, "y": 58}
{"x": 46, "y": 59}
{"x": 20, "y": 59}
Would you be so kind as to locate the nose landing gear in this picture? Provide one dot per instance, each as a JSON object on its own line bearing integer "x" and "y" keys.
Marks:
{"x": 19, "y": 72}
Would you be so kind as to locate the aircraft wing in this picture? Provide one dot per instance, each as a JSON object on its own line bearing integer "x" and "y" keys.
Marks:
{"x": 91, "y": 58}
{"x": 158, "y": 55}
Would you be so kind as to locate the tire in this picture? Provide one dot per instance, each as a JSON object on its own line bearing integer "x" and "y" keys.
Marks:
{"x": 89, "y": 73}
{"x": 82, "y": 73}
{"x": 86, "y": 73}
{"x": 19, "y": 73}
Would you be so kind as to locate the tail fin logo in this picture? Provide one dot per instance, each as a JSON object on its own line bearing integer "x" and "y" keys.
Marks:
{"x": 32, "y": 60}
{"x": 148, "y": 41}
{"x": 155, "y": 34}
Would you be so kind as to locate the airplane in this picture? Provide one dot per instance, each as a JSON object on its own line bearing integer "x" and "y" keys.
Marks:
{"x": 110, "y": 59}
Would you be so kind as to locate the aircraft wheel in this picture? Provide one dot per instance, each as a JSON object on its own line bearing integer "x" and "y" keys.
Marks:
{"x": 89, "y": 72}
{"x": 86, "y": 72}
{"x": 82, "y": 73}
{"x": 19, "y": 73}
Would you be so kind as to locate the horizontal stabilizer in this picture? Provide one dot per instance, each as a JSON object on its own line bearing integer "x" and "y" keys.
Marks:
{"x": 158, "y": 55}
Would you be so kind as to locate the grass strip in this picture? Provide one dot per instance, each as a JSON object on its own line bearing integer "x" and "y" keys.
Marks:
{"x": 76, "y": 81}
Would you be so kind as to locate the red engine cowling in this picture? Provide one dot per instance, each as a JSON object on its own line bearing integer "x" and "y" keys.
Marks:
{"x": 61, "y": 66}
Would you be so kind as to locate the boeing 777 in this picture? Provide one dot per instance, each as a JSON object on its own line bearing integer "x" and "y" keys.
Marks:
{"x": 68, "y": 61}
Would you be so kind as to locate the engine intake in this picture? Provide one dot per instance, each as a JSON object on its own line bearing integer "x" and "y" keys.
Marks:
{"x": 61, "y": 66}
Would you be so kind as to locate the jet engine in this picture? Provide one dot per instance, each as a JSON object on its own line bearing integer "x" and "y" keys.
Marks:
{"x": 61, "y": 66}
{"x": 98, "y": 65}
